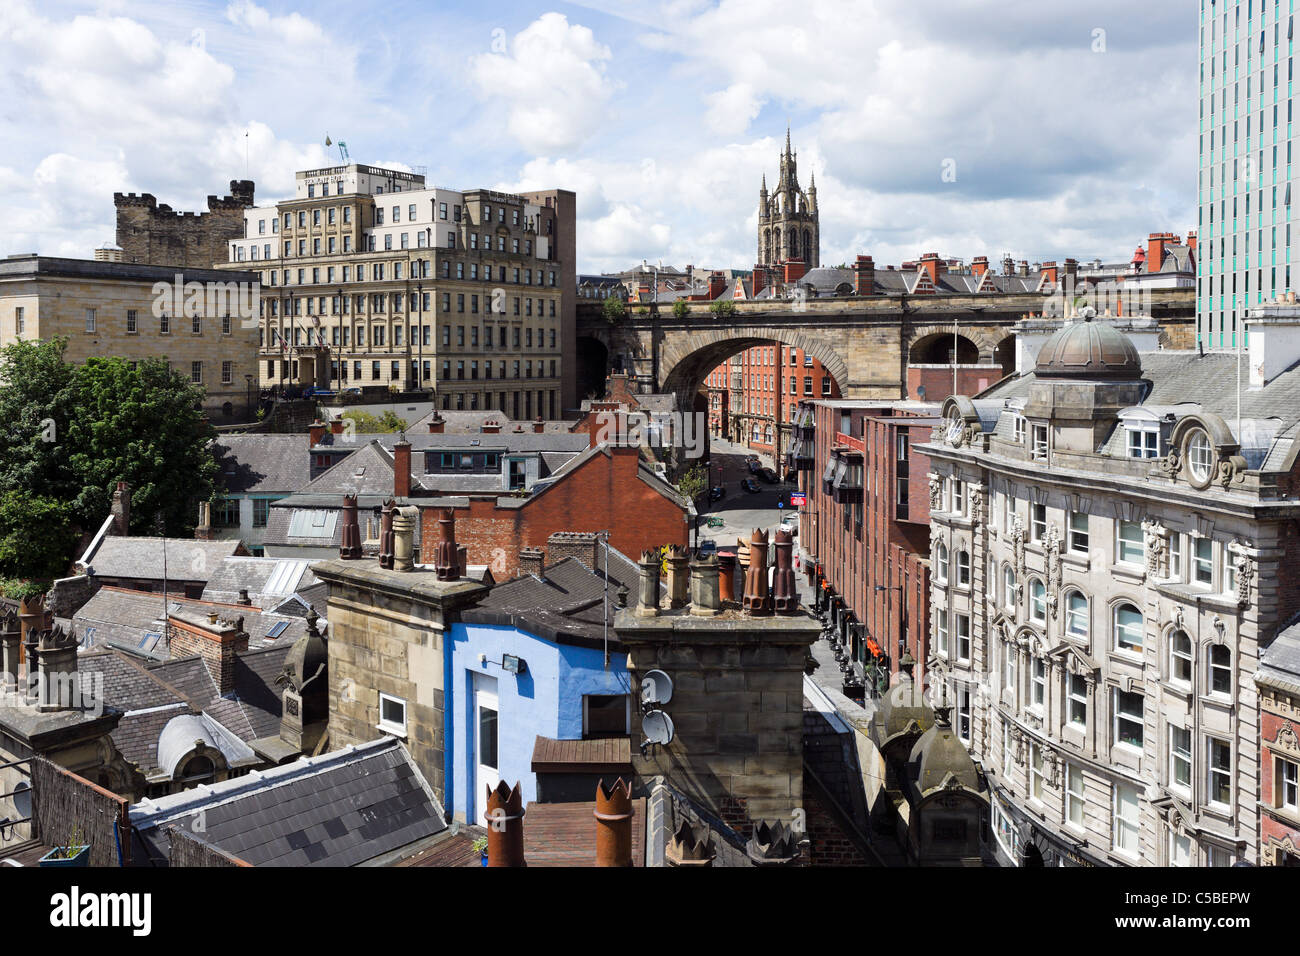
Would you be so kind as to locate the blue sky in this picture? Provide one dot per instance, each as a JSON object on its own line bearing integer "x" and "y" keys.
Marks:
{"x": 1071, "y": 128}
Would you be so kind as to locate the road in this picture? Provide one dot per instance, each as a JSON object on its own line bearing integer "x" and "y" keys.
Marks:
{"x": 741, "y": 511}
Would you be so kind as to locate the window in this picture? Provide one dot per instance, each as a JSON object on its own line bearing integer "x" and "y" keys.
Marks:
{"x": 1143, "y": 442}
{"x": 941, "y": 563}
{"x": 1128, "y": 718}
{"x": 1203, "y": 561}
{"x": 1038, "y": 683}
{"x": 90, "y": 320}
{"x": 1220, "y": 670}
{"x": 1037, "y": 772}
{"x": 964, "y": 714}
{"x": 227, "y": 372}
{"x": 1180, "y": 849}
{"x": 1018, "y": 429}
{"x": 1078, "y": 532}
{"x": 1286, "y": 784}
{"x": 1037, "y": 601}
{"x": 1037, "y": 522}
{"x": 1218, "y": 772}
{"x": 1125, "y": 812}
{"x": 1180, "y": 657}
{"x": 1180, "y": 757}
{"x": 958, "y": 504}
{"x": 1040, "y": 441}
{"x": 941, "y": 631}
{"x": 1078, "y": 700}
{"x": 963, "y": 637}
{"x": 963, "y": 569}
{"x": 1009, "y": 587}
{"x": 131, "y": 322}
{"x": 1200, "y": 456}
{"x": 605, "y": 715}
{"x": 261, "y": 512}
{"x": 196, "y": 373}
{"x": 20, "y": 324}
{"x": 1130, "y": 548}
{"x": 1075, "y": 796}
{"x": 1175, "y": 557}
{"x": 1128, "y": 629}
{"x": 392, "y": 714}
{"x": 1009, "y": 664}
{"x": 1076, "y": 615}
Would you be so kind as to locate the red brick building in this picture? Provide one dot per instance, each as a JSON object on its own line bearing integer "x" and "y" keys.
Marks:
{"x": 607, "y": 488}
{"x": 864, "y": 534}
{"x": 753, "y": 396}
{"x": 1278, "y": 679}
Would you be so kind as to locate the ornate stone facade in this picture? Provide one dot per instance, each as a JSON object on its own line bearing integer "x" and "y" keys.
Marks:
{"x": 788, "y": 224}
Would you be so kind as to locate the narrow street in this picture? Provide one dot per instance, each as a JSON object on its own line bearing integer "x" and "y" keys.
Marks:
{"x": 741, "y": 511}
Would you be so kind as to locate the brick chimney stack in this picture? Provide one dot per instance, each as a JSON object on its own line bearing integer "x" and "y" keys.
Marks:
{"x": 1156, "y": 243}
{"x": 930, "y": 263}
{"x": 1051, "y": 272}
{"x": 583, "y": 545}
{"x": 531, "y": 561}
{"x": 336, "y": 426}
{"x": 979, "y": 265}
{"x": 505, "y": 815}
{"x": 539, "y": 426}
{"x": 213, "y": 639}
{"x": 350, "y": 544}
{"x": 613, "y": 824}
{"x": 794, "y": 270}
{"x": 760, "y": 278}
{"x": 402, "y": 469}
{"x": 316, "y": 433}
{"x": 121, "y": 509}
{"x": 717, "y": 284}
{"x": 489, "y": 428}
{"x": 437, "y": 424}
{"x": 864, "y": 276}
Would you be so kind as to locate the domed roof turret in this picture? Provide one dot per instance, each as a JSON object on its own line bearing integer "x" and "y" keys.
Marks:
{"x": 1088, "y": 349}
{"x": 940, "y": 760}
{"x": 903, "y": 710}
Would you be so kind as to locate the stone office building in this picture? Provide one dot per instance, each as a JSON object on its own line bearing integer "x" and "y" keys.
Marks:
{"x": 1112, "y": 544}
{"x": 372, "y": 280}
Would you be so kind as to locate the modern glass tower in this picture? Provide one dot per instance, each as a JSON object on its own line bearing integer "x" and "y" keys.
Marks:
{"x": 1245, "y": 175}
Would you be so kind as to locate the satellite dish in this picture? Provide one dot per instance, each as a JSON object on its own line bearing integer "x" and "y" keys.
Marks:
{"x": 23, "y": 795}
{"x": 658, "y": 727}
{"x": 656, "y": 688}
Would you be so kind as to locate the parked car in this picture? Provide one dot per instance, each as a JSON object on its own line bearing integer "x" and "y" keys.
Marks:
{"x": 750, "y": 485}
{"x": 311, "y": 391}
{"x": 790, "y": 523}
{"x": 753, "y": 466}
{"x": 768, "y": 475}
{"x": 707, "y": 547}
{"x": 716, "y": 493}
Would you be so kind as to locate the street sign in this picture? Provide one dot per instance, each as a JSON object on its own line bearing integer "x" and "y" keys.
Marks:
{"x": 798, "y": 499}
{"x": 780, "y": 504}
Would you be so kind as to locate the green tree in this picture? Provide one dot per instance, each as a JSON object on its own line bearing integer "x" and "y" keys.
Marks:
{"x": 368, "y": 424}
{"x": 73, "y": 431}
{"x": 681, "y": 309}
{"x": 694, "y": 483}
{"x": 613, "y": 309}
{"x": 723, "y": 307}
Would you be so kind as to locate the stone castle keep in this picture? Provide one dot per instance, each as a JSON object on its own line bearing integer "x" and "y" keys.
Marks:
{"x": 158, "y": 235}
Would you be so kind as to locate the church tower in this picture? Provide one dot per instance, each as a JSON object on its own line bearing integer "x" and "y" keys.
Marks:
{"x": 787, "y": 219}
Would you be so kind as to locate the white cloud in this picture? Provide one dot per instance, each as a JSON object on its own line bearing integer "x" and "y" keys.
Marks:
{"x": 552, "y": 83}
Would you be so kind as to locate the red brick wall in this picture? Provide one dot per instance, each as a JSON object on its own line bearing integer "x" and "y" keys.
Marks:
{"x": 604, "y": 493}
{"x": 829, "y": 844}
{"x": 937, "y": 380}
{"x": 1269, "y": 725}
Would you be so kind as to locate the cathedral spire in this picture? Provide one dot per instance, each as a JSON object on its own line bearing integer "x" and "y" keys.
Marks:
{"x": 787, "y": 139}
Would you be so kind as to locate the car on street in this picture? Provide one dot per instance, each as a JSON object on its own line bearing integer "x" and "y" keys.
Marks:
{"x": 753, "y": 465}
{"x": 750, "y": 485}
{"x": 707, "y": 547}
{"x": 768, "y": 475}
{"x": 716, "y": 493}
{"x": 790, "y": 523}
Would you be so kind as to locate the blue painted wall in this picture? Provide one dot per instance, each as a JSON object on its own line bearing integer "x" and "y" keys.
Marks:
{"x": 546, "y": 700}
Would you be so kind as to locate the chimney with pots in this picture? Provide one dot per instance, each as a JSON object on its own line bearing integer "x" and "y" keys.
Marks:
{"x": 505, "y": 815}
{"x": 386, "y": 539}
{"x": 705, "y": 592}
{"x": 402, "y": 469}
{"x": 717, "y": 284}
{"x": 647, "y": 600}
{"x": 785, "y": 596}
{"x": 244, "y": 599}
{"x": 121, "y": 510}
{"x": 204, "y": 530}
{"x": 864, "y": 276}
{"x": 1070, "y": 272}
{"x": 531, "y": 561}
{"x": 678, "y": 584}
{"x": 583, "y": 545}
{"x": 1022, "y": 268}
{"x": 404, "y": 520}
{"x": 979, "y": 265}
{"x": 930, "y": 263}
{"x": 759, "y": 281}
{"x": 316, "y": 433}
{"x": 10, "y": 651}
{"x": 336, "y": 426}
{"x": 1008, "y": 266}
{"x": 691, "y": 845}
{"x": 1049, "y": 271}
{"x": 437, "y": 424}
{"x": 350, "y": 545}
{"x": 490, "y": 428}
{"x": 58, "y": 683}
{"x": 446, "y": 555}
{"x": 213, "y": 639}
{"x": 794, "y": 271}
{"x": 756, "y": 600}
{"x": 613, "y": 814}
{"x": 539, "y": 425}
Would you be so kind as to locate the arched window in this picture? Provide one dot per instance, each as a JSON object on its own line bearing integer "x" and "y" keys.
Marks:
{"x": 941, "y": 563}
{"x": 1076, "y": 615}
{"x": 963, "y": 569}
{"x": 1180, "y": 657}
{"x": 1128, "y": 628}
{"x": 1200, "y": 455}
{"x": 1037, "y": 601}
{"x": 1009, "y": 587}
{"x": 197, "y": 769}
{"x": 1220, "y": 677}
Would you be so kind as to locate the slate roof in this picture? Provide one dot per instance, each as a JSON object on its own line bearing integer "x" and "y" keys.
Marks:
{"x": 1279, "y": 663}
{"x": 262, "y": 464}
{"x": 187, "y": 559}
{"x": 268, "y": 580}
{"x": 339, "y": 809}
{"x": 567, "y": 602}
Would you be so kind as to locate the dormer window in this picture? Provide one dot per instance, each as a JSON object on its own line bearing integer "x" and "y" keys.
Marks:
{"x": 1039, "y": 449}
{"x": 1143, "y": 442}
{"x": 1200, "y": 456}
{"x": 1018, "y": 429}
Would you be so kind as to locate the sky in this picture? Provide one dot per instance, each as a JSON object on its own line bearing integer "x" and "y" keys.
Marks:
{"x": 1036, "y": 129}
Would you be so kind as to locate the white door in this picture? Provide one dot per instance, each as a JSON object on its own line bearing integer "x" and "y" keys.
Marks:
{"x": 487, "y": 772}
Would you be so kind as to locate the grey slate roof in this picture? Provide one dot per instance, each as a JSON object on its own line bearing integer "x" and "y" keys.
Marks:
{"x": 339, "y": 809}
{"x": 1279, "y": 663}
{"x": 262, "y": 464}
{"x": 142, "y": 557}
{"x": 567, "y": 601}
{"x": 267, "y": 580}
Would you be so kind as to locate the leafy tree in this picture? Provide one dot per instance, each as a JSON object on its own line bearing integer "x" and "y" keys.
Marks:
{"x": 613, "y": 309}
{"x": 367, "y": 424}
{"x": 681, "y": 309}
{"x": 723, "y": 307}
{"x": 73, "y": 431}
{"x": 694, "y": 483}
